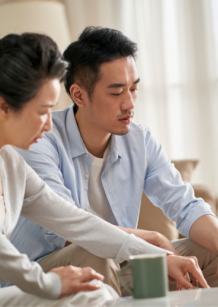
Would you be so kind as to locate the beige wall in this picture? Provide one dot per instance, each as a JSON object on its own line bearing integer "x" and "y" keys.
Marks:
{"x": 42, "y": 16}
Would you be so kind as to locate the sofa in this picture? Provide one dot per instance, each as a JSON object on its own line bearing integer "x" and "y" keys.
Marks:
{"x": 152, "y": 218}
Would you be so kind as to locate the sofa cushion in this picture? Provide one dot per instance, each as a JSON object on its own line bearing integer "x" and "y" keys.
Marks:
{"x": 152, "y": 218}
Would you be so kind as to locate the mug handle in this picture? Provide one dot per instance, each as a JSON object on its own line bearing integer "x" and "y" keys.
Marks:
{"x": 130, "y": 290}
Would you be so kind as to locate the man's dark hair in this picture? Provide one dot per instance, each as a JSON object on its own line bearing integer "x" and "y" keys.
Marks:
{"x": 26, "y": 62}
{"x": 95, "y": 46}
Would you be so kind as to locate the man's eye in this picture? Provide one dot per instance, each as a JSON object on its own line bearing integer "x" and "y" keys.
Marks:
{"x": 134, "y": 90}
{"x": 117, "y": 94}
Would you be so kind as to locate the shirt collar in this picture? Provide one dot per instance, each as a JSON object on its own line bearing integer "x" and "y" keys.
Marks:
{"x": 77, "y": 145}
{"x": 115, "y": 147}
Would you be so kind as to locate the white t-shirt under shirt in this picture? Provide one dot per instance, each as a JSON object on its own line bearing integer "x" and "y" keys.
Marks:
{"x": 98, "y": 201}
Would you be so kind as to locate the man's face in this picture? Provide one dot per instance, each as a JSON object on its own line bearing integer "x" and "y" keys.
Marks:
{"x": 111, "y": 108}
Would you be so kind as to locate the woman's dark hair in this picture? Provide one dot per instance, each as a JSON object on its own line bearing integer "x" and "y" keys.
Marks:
{"x": 95, "y": 46}
{"x": 26, "y": 62}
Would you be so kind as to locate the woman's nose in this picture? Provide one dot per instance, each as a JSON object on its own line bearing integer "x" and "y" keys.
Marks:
{"x": 48, "y": 124}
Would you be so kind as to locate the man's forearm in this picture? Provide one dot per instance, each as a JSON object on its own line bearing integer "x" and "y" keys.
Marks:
{"x": 149, "y": 236}
{"x": 152, "y": 237}
{"x": 204, "y": 232}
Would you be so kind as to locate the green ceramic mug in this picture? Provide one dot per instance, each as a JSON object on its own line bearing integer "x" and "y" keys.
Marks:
{"x": 149, "y": 276}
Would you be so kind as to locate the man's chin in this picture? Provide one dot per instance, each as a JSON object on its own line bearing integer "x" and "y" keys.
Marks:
{"x": 121, "y": 132}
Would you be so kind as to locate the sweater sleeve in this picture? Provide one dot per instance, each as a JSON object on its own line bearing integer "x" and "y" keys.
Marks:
{"x": 44, "y": 207}
{"x": 17, "y": 269}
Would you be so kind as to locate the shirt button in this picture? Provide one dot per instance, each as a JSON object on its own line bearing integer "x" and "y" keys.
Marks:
{"x": 86, "y": 208}
{"x": 86, "y": 176}
{"x": 87, "y": 155}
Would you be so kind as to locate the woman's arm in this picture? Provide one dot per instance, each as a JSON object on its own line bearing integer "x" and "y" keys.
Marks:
{"x": 17, "y": 269}
{"x": 44, "y": 207}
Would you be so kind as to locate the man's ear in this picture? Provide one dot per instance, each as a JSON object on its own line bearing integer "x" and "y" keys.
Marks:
{"x": 4, "y": 109}
{"x": 78, "y": 94}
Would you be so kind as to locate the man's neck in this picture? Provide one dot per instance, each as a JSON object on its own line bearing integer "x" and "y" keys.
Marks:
{"x": 95, "y": 141}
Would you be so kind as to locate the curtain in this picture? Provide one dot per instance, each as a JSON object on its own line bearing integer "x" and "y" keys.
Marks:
{"x": 178, "y": 67}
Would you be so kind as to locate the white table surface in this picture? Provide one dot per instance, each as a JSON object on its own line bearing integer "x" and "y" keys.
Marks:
{"x": 186, "y": 298}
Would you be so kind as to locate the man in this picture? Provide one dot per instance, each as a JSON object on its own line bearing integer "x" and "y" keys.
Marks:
{"x": 98, "y": 160}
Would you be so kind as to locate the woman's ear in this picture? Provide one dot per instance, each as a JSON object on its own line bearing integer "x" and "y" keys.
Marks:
{"x": 4, "y": 109}
{"x": 78, "y": 94}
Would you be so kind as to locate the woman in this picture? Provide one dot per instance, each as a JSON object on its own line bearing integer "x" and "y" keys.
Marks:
{"x": 31, "y": 70}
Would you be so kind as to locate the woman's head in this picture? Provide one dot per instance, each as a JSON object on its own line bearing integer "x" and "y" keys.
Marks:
{"x": 31, "y": 69}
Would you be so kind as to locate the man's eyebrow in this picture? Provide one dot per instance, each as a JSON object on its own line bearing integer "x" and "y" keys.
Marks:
{"x": 49, "y": 105}
{"x": 137, "y": 81}
{"x": 117, "y": 85}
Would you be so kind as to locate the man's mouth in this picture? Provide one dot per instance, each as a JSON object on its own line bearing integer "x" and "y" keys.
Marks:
{"x": 126, "y": 120}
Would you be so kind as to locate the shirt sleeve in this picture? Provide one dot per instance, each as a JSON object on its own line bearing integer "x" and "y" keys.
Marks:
{"x": 46, "y": 208}
{"x": 45, "y": 161}
{"x": 165, "y": 189}
{"x": 17, "y": 269}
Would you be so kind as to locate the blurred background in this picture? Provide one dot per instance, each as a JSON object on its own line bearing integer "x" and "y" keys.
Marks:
{"x": 177, "y": 64}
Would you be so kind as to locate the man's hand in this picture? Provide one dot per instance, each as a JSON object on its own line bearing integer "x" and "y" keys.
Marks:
{"x": 76, "y": 279}
{"x": 162, "y": 242}
{"x": 152, "y": 237}
{"x": 178, "y": 267}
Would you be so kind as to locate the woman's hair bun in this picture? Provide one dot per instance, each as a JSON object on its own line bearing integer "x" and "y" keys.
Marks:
{"x": 7, "y": 43}
{"x": 26, "y": 62}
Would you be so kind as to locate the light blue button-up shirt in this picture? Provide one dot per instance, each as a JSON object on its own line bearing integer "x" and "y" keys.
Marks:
{"x": 135, "y": 162}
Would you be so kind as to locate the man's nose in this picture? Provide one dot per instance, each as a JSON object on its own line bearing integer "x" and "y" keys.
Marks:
{"x": 129, "y": 102}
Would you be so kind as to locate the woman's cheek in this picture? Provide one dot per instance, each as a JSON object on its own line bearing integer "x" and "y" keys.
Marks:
{"x": 44, "y": 119}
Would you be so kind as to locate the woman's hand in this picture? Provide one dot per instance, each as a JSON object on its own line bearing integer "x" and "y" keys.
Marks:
{"x": 76, "y": 279}
{"x": 178, "y": 269}
{"x": 152, "y": 237}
